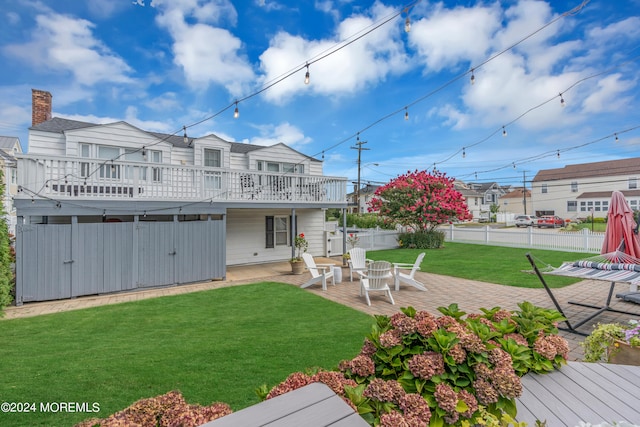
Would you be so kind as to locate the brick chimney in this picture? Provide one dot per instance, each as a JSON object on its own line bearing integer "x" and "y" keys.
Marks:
{"x": 40, "y": 106}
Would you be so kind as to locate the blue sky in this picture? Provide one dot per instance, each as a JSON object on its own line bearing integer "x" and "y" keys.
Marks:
{"x": 164, "y": 64}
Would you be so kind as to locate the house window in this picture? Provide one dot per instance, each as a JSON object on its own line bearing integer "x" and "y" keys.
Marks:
{"x": 583, "y": 206}
{"x": 85, "y": 151}
{"x": 280, "y": 167}
{"x": 212, "y": 158}
{"x": 14, "y": 176}
{"x": 544, "y": 188}
{"x": 155, "y": 156}
{"x": 108, "y": 170}
{"x": 276, "y": 231}
{"x": 572, "y": 206}
{"x": 633, "y": 183}
{"x": 574, "y": 187}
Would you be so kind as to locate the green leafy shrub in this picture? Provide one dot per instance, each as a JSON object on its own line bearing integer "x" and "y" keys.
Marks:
{"x": 421, "y": 240}
{"x": 162, "y": 411}
{"x": 418, "y": 369}
{"x": 7, "y": 258}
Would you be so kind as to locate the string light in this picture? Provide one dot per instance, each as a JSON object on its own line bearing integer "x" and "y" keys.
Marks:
{"x": 514, "y": 165}
{"x": 185, "y": 138}
{"x": 407, "y": 24}
{"x": 616, "y": 135}
{"x": 306, "y": 76}
{"x": 558, "y": 154}
{"x": 562, "y": 104}
{"x": 406, "y": 113}
{"x": 473, "y": 77}
{"x": 504, "y": 131}
{"x": 464, "y": 153}
{"x": 236, "y": 113}
{"x": 145, "y": 214}
{"x": 144, "y": 153}
{"x": 104, "y": 214}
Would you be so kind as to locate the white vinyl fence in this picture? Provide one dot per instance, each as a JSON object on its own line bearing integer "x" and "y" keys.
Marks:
{"x": 532, "y": 238}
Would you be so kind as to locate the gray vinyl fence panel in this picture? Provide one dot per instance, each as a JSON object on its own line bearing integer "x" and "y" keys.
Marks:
{"x": 102, "y": 261}
{"x": 63, "y": 261}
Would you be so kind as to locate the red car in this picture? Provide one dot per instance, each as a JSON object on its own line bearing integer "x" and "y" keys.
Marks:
{"x": 550, "y": 221}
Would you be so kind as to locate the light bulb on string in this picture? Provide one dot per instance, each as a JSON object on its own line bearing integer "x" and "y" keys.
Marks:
{"x": 464, "y": 153}
{"x": 514, "y": 165}
{"x": 562, "y": 103}
{"x": 407, "y": 24}
{"x": 236, "y": 113}
{"x": 306, "y": 76}
{"x": 406, "y": 113}
{"x": 185, "y": 138}
{"x": 473, "y": 77}
{"x": 616, "y": 135}
{"x": 504, "y": 131}
{"x": 558, "y": 154}
{"x": 476, "y": 175}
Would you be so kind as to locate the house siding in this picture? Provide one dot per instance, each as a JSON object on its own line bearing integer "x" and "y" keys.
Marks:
{"x": 246, "y": 235}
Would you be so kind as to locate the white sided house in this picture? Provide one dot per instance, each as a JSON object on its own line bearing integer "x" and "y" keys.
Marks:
{"x": 109, "y": 207}
{"x": 581, "y": 190}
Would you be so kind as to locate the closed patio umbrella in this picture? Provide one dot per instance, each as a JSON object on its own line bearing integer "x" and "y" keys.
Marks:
{"x": 621, "y": 242}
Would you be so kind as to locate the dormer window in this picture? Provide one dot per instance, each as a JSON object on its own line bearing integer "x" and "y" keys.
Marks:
{"x": 212, "y": 158}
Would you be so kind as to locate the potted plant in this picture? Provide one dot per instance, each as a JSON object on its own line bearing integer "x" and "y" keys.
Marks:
{"x": 301, "y": 244}
{"x": 614, "y": 342}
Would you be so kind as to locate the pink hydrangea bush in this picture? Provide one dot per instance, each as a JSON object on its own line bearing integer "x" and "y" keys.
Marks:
{"x": 416, "y": 369}
{"x": 166, "y": 410}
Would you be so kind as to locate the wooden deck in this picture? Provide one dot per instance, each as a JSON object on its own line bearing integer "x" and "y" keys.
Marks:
{"x": 314, "y": 405}
{"x": 590, "y": 392}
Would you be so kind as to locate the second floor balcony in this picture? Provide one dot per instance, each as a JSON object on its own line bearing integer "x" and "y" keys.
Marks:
{"x": 63, "y": 177}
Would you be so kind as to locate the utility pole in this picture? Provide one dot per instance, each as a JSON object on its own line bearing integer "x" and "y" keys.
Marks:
{"x": 359, "y": 148}
{"x": 524, "y": 191}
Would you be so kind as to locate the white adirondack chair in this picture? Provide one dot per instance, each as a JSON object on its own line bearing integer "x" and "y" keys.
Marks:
{"x": 408, "y": 278}
{"x": 357, "y": 262}
{"x": 319, "y": 272}
{"x": 376, "y": 279}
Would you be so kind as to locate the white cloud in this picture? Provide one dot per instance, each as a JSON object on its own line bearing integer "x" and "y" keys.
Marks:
{"x": 207, "y": 54}
{"x": 448, "y": 37}
{"x": 609, "y": 95}
{"x": 67, "y": 45}
{"x": 367, "y": 61}
{"x": 284, "y": 132}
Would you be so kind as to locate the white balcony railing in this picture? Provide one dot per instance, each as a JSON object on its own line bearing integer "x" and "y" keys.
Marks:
{"x": 61, "y": 177}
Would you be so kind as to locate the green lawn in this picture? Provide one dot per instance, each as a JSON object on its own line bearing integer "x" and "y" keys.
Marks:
{"x": 494, "y": 264}
{"x": 216, "y": 345}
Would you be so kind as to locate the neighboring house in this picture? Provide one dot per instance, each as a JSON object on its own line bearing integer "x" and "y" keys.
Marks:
{"x": 110, "y": 207}
{"x": 516, "y": 201}
{"x": 578, "y": 191}
{"x": 9, "y": 148}
{"x": 367, "y": 193}
{"x": 480, "y": 196}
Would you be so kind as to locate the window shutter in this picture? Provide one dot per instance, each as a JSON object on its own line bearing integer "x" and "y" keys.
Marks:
{"x": 269, "y": 232}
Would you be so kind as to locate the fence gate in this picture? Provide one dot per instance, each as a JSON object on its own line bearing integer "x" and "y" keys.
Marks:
{"x": 58, "y": 261}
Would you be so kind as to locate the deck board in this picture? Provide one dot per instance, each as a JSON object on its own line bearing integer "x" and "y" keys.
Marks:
{"x": 589, "y": 392}
{"x": 314, "y": 405}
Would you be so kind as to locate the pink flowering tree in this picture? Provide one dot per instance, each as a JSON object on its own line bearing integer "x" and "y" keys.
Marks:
{"x": 420, "y": 200}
